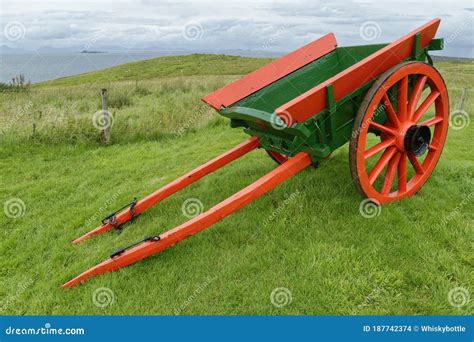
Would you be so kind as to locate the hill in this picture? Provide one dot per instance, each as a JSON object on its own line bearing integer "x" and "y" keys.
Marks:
{"x": 174, "y": 66}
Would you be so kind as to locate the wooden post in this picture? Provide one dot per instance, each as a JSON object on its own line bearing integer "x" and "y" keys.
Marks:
{"x": 105, "y": 113}
{"x": 461, "y": 100}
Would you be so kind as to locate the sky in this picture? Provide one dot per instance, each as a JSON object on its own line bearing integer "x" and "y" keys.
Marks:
{"x": 213, "y": 26}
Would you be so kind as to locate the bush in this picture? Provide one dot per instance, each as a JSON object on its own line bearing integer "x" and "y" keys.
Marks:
{"x": 6, "y": 88}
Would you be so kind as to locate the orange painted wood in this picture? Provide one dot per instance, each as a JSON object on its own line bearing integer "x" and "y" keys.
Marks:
{"x": 201, "y": 222}
{"x": 177, "y": 185}
{"x": 395, "y": 154}
{"x": 314, "y": 100}
{"x": 270, "y": 73}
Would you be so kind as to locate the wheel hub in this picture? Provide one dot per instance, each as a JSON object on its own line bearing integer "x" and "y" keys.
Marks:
{"x": 417, "y": 139}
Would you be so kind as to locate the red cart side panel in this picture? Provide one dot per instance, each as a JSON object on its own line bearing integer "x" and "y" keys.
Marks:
{"x": 270, "y": 73}
{"x": 314, "y": 100}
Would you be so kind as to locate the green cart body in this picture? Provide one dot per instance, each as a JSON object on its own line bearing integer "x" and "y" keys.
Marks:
{"x": 324, "y": 130}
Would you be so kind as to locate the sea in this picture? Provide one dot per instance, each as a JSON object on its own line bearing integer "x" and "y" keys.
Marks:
{"x": 37, "y": 67}
{"x": 40, "y": 67}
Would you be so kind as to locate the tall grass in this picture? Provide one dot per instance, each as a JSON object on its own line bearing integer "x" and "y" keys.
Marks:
{"x": 148, "y": 100}
{"x": 145, "y": 110}
{"x": 13, "y": 88}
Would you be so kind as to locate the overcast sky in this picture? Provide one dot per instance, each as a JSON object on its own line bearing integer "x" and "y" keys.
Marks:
{"x": 227, "y": 25}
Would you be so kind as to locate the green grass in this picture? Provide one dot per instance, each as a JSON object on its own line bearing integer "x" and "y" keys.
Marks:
{"x": 307, "y": 235}
{"x": 196, "y": 64}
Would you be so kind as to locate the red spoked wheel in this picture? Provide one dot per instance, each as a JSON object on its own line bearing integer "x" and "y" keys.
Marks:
{"x": 408, "y": 144}
{"x": 278, "y": 157}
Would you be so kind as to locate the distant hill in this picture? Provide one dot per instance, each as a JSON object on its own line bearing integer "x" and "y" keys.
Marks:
{"x": 6, "y": 50}
{"x": 451, "y": 59}
{"x": 184, "y": 65}
{"x": 189, "y": 65}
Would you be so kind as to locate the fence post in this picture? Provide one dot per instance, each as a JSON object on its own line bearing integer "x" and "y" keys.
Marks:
{"x": 105, "y": 113}
{"x": 461, "y": 99}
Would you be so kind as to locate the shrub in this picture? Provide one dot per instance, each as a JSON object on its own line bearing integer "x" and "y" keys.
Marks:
{"x": 5, "y": 88}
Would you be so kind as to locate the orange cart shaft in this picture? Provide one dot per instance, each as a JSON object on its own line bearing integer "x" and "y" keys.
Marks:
{"x": 157, "y": 244}
{"x": 173, "y": 187}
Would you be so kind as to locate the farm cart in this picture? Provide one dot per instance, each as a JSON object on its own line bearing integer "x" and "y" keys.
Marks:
{"x": 387, "y": 100}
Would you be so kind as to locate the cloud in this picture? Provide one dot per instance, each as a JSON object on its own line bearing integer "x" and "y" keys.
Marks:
{"x": 248, "y": 25}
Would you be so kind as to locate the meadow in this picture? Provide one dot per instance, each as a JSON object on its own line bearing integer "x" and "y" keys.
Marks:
{"x": 306, "y": 240}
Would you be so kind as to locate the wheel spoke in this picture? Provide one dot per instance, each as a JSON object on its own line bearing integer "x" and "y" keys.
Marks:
{"x": 425, "y": 106}
{"x": 402, "y": 173}
{"x": 378, "y": 148}
{"x": 402, "y": 98}
{"x": 382, "y": 128}
{"x": 390, "y": 174}
{"x": 416, "y": 165}
{"x": 391, "y": 115}
{"x": 414, "y": 106}
{"x": 415, "y": 95}
{"x": 433, "y": 121}
{"x": 381, "y": 163}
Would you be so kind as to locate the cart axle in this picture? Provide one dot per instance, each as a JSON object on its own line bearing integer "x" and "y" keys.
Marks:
{"x": 417, "y": 139}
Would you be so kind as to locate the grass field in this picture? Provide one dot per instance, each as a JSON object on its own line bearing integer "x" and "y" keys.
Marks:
{"x": 306, "y": 236}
